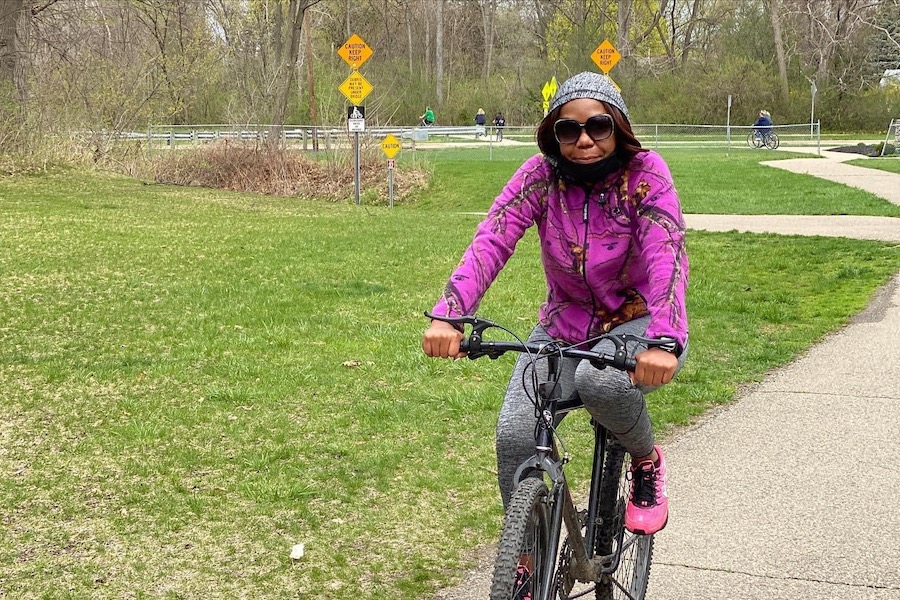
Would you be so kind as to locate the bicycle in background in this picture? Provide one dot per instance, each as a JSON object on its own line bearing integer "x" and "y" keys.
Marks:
{"x": 758, "y": 138}
{"x": 598, "y": 554}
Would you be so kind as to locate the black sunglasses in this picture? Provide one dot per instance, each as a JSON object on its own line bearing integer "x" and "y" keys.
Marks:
{"x": 598, "y": 127}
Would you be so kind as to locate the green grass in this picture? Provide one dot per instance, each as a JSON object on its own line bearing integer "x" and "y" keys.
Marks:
{"x": 193, "y": 381}
{"x": 708, "y": 182}
{"x": 884, "y": 163}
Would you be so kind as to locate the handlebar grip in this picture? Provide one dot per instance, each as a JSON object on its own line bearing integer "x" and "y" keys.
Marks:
{"x": 630, "y": 364}
{"x": 464, "y": 345}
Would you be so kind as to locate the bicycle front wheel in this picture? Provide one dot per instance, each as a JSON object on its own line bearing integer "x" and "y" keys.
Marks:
{"x": 754, "y": 140}
{"x": 524, "y": 544}
{"x": 630, "y": 554}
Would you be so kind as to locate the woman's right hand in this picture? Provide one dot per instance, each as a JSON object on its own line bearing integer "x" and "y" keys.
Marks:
{"x": 441, "y": 340}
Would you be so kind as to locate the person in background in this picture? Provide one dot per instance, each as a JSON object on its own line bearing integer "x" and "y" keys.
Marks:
{"x": 499, "y": 123}
{"x": 763, "y": 124}
{"x": 427, "y": 118}
{"x": 480, "y": 120}
{"x": 613, "y": 251}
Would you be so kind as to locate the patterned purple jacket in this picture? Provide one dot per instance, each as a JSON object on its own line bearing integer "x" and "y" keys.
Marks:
{"x": 611, "y": 253}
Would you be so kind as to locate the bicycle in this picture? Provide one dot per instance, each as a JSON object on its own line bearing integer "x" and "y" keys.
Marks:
{"x": 758, "y": 139}
{"x": 598, "y": 549}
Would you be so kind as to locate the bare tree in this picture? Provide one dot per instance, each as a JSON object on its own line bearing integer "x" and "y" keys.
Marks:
{"x": 310, "y": 73}
{"x": 775, "y": 15}
{"x": 488, "y": 14}
{"x": 181, "y": 53}
{"x": 695, "y": 16}
{"x": 623, "y": 30}
{"x": 12, "y": 15}
{"x": 439, "y": 51}
{"x": 651, "y": 14}
{"x": 15, "y": 22}
{"x": 828, "y": 26}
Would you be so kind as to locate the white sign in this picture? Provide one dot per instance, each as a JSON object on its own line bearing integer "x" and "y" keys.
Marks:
{"x": 391, "y": 164}
{"x": 356, "y": 125}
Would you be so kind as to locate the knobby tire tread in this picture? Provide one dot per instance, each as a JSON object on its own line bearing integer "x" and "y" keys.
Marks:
{"x": 529, "y": 495}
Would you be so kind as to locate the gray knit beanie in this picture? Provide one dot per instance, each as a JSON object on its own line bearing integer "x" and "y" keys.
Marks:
{"x": 589, "y": 85}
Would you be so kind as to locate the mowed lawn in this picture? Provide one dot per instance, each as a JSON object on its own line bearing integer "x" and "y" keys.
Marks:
{"x": 194, "y": 381}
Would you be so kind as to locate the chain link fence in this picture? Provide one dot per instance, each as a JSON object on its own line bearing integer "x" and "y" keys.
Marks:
{"x": 893, "y": 133}
{"x": 480, "y": 144}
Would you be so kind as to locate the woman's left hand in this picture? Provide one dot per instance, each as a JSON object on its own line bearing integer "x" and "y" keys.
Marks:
{"x": 655, "y": 367}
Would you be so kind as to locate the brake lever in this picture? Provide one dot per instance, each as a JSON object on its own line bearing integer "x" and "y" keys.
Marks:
{"x": 479, "y": 326}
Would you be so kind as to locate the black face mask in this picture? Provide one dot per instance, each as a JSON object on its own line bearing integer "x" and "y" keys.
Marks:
{"x": 588, "y": 173}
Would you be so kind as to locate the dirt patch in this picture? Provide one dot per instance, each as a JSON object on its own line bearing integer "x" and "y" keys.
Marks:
{"x": 862, "y": 149}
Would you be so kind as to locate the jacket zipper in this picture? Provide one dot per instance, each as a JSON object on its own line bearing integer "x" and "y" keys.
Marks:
{"x": 584, "y": 249}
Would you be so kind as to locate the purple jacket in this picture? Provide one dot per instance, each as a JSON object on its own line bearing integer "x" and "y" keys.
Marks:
{"x": 611, "y": 253}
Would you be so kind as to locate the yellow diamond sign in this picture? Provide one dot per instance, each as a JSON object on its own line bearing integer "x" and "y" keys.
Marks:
{"x": 390, "y": 145}
{"x": 355, "y": 51}
{"x": 356, "y": 88}
{"x": 606, "y": 56}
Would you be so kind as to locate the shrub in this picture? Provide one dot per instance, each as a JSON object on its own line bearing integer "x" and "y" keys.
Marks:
{"x": 283, "y": 172}
{"x": 882, "y": 149}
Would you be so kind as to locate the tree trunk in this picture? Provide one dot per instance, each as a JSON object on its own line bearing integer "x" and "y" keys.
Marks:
{"x": 689, "y": 31}
{"x": 624, "y": 27}
{"x": 287, "y": 65}
{"x": 409, "y": 37}
{"x": 310, "y": 73}
{"x": 775, "y": 14}
{"x": 12, "y": 13}
{"x": 426, "y": 67}
{"x": 439, "y": 52}
{"x": 488, "y": 12}
{"x": 667, "y": 43}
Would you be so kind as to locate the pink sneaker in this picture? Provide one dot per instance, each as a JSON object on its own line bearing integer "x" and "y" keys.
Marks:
{"x": 648, "y": 506}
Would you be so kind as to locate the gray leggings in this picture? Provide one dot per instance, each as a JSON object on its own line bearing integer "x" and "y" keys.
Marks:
{"x": 608, "y": 395}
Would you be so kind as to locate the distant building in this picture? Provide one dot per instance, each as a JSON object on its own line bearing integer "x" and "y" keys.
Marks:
{"x": 890, "y": 77}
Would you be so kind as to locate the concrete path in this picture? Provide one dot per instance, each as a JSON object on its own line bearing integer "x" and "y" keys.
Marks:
{"x": 791, "y": 491}
{"x": 885, "y": 229}
{"x": 832, "y": 168}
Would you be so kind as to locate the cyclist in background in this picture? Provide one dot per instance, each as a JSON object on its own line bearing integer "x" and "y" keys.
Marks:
{"x": 763, "y": 124}
{"x": 427, "y": 118}
{"x": 499, "y": 123}
{"x": 613, "y": 251}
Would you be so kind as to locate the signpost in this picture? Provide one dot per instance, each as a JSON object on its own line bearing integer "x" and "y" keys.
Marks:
{"x": 390, "y": 146}
{"x": 605, "y": 56}
{"x": 355, "y": 52}
{"x": 356, "y": 119}
{"x": 548, "y": 91}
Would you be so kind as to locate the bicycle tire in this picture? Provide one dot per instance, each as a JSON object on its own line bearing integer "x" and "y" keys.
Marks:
{"x": 754, "y": 140}
{"x": 526, "y": 530}
{"x": 633, "y": 571}
{"x": 772, "y": 141}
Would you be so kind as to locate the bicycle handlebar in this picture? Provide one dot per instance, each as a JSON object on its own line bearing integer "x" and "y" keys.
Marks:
{"x": 475, "y": 346}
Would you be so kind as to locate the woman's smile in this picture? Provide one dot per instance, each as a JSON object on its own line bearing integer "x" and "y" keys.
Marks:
{"x": 585, "y": 150}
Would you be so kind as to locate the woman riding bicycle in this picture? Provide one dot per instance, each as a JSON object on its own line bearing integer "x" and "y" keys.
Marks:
{"x": 613, "y": 251}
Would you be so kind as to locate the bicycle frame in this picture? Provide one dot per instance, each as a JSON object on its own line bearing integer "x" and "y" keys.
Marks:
{"x": 585, "y": 567}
